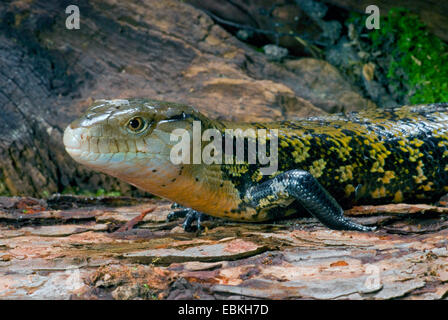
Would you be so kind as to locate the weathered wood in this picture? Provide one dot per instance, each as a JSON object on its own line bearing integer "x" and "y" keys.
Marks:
{"x": 80, "y": 253}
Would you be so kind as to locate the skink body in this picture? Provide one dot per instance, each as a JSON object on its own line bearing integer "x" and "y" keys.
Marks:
{"x": 324, "y": 163}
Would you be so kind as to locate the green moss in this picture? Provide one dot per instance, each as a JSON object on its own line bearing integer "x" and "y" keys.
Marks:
{"x": 416, "y": 60}
{"x": 87, "y": 193}
{"x": 4, "y": 190}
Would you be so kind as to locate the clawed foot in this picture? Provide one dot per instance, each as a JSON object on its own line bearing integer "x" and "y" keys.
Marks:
{"x": 190, "y": 216}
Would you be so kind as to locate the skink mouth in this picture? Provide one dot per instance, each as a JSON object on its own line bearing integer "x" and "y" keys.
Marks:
{"x": 73, "y": 140}
{"x": 78, "y": 144}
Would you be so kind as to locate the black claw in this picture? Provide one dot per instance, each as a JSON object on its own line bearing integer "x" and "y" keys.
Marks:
{"x": 188, "y": 222}
{"x": 191, "y": 216}
{"x": 347, "y": 224}
{"x": 173, "y": 215}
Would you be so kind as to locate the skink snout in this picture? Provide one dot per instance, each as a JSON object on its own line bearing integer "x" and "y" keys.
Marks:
{"x": 73, "y": 138}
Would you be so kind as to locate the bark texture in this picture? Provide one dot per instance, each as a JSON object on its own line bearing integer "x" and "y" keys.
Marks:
{"x": 74, "y": 248}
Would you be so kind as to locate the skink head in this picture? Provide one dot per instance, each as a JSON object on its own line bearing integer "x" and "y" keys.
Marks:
{"x": 129, "y": 139}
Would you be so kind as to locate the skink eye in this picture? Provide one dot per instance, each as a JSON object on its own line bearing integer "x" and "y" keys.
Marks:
{"x": 137, "y": 125}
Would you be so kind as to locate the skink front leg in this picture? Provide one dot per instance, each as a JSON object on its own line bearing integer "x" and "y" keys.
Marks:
{"x": 190, "y": 216}
{"x": 303, "y": 187}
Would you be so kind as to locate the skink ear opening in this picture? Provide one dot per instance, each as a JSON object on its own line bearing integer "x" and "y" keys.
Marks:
{"x": 181, "y": 116}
